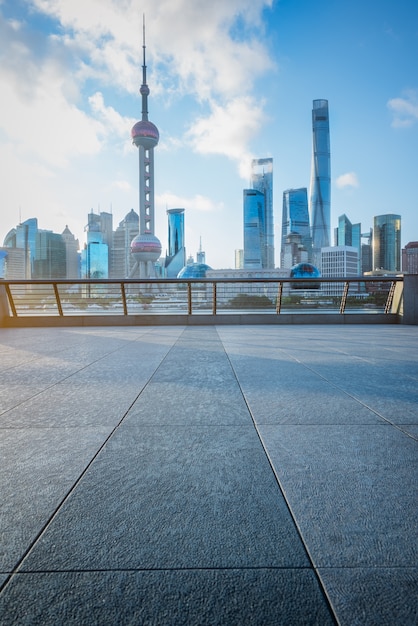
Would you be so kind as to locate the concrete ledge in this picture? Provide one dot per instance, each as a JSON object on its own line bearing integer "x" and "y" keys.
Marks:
{"x": 201, "y": 319}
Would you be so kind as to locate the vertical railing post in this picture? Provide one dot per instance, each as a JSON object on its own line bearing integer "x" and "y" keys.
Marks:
{"x": 123, "y": 292}
{"x": 58, "y": 299}
{"x": 214, "y": 303}
{"x": 344, "y": 297}
{"x": 11, "y": 300}
{"x": 189, "y": 298}
{"x": 279, "y": 297}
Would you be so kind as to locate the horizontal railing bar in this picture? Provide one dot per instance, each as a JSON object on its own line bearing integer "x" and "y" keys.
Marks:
{"x": 168, "y": 281}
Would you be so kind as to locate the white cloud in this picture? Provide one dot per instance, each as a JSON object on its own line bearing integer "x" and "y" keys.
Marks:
{"x": 228, "y": 130}
{"x": 404, "y": 110}
{"x": 197, "y": 203}
{"x": 112, "y": 122}
{"x": 347, "y": 180}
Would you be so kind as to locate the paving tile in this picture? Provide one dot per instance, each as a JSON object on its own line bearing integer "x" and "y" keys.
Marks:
{"x": 363, "y": 596}
{"x": 173, "y": 497}
{"x": 74, "y": 405}
{"x": 261, "y": 597}
{"x": 323, "y": 404}
{"x": 174, "y": 403}
{"x": 352, "y": 489}
{"x": 12, "y": 395}
{"x": 38, "y": 468}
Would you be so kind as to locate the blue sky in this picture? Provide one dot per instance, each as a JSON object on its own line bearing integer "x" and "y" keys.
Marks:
{"x": 229, "y": 81}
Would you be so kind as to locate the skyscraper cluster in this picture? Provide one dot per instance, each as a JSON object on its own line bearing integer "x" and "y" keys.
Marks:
{"x": 306, "y": 220}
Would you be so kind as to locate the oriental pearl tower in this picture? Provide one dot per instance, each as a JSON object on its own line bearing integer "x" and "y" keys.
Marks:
{"x": 145, "y": 247}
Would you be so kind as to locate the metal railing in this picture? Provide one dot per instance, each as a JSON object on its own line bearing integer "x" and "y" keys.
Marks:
{"x": 127, "y": 297}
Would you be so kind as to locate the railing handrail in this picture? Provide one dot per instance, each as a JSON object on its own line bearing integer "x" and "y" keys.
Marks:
{"x": 127, "y": 281}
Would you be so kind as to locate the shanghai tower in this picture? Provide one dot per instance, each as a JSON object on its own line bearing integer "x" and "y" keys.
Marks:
{"x": 320, "y": 187}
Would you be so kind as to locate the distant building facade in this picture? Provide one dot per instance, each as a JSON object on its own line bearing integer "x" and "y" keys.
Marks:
{"x": 348, "y": 234}
{"x": 338, "y": 261}
{"x": 121, "y": 259}
{"x": 295, "y": 221}
{"x": 410, "y": 258}
{"x": 34, "y": 253}
{"x": 239, "y": 259}
{"x": 262, "y": 181}
{"x": 293, "y": 251}
{"x": 72, "y": 256}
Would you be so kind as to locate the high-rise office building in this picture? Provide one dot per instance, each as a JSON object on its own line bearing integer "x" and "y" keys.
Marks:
{"x": 71, "y": 253}
{"x": 293, "y": 251}
{"x": 348, "y": 234}
{"x": 33, "y": 253}
{"x": 239, "y": 259}
{"x": 13, "y": 263}
{"x": 176, "y": 255}
{"x": 145, "y": 247}
{"x": 122, "y": 261}
{"x": 320, "y": 185}
{"x": 23, "y": 237}
{"x": 254, "y": 229}
{"x": 262, "y": 181}
{"x": 50, "y": 256}
{"x": 366, "y": 252}
{"x": 387, "y": 242}
{"x": 295, "y": 221}
{"x": 95, "y": 258}
{"x": 338, "y": 261}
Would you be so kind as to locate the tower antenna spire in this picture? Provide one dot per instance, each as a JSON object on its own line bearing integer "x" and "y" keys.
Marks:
{"x": 144, "y": 91}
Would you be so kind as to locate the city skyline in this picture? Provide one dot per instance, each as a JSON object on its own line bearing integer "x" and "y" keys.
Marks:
{"x": 229, "y": 83}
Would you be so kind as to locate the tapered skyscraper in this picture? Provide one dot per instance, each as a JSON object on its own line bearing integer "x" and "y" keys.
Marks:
{"x": 320, "y": 187}
{"x": 146, "y": 247}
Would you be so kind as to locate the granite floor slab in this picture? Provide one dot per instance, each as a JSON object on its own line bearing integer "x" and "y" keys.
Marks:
{"x": 209, "y": 475}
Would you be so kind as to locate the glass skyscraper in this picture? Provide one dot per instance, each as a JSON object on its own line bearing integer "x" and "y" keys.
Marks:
{"x": 387, "y": 242}
{"x": 295, "y": 219}
{"x": 262, "y": 181}
{"x": 254, "y": 229}
{"x": 320, "y": 186}
{"x": 176, "y": 257}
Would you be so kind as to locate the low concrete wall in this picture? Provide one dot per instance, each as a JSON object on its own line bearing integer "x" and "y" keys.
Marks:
{"x": 409, "y": 314}
{"x": 201, "y": 320}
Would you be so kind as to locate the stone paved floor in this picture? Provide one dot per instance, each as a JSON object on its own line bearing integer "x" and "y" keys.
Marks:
{"x": 209, "y": 475}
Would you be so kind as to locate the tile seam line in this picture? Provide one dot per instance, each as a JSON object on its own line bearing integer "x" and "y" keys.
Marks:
{"x": 104, "y": 570}
{"x": 59, "y": 382}
{"x": 349, "y": 395}
{"x": 41, "y": 532}
{"x": 313, "y": 567}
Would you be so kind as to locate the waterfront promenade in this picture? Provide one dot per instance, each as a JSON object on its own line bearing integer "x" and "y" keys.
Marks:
{"x": 209, "y": 475}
